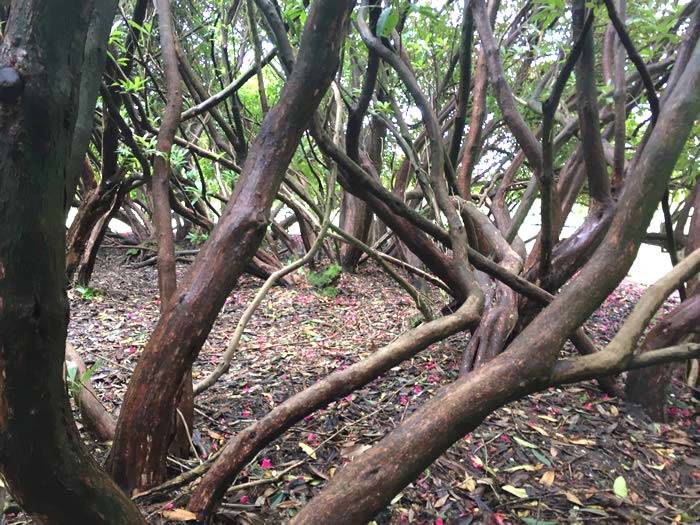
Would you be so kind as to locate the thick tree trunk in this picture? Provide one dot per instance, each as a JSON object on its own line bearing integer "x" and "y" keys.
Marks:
{"x": 146, "y": 422}
{"x": 649, "y": 386}
{"x": 362, "y": 488}
{"x": 46, "y": 466}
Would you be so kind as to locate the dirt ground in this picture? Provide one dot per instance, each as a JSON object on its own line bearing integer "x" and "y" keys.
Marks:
{"x": 551, "y": 458}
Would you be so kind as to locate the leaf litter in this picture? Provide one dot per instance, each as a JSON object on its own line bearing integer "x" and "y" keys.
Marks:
{"x": 568, "y": 454}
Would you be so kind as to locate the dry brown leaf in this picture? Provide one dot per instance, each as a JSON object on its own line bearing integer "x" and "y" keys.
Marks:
{"x": 585, "y": 442}
{"x": 179, "y": 515}
{"x": 573, "y": 499}
{"x": 547, "y": 478}
{"x": 468, "y": 483}
{"x": 354, "y": 450}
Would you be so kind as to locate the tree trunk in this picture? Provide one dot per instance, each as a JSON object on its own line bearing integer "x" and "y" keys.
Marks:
{"x": 88, "y": 257}
{"x": 362, "y": 488}
{"x": 146, "y": 422}
{"x": 162, "y": 214}
{"x": 93, "y": 207}
{"x": 649, "y": 386}
{"x": 43, "y": 460}
{"x": 355, "y": 219}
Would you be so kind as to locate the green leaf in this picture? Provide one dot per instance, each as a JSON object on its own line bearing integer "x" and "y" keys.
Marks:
{"x": 524, "y": 443}
{"x": 542, "y": 458}
{"x": 72, "y": 370}
{"x": 387, "y": 21}
{"x": 515, "y": 491}
{"x": 535, "y": 521}
{"x": 620, "y": 487}
{"x": 306, "y": 448}
{"x": 276, "y": 499}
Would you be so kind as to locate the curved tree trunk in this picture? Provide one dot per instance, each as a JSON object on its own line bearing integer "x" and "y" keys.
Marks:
{"x": 649, "y": 386}
{"x": 365, "y": 486}
{"x": 94, "y": 415}
{"x": 146, "y": 421}
{"x": 48, "y": 470}
{"x": 88, "y": 257}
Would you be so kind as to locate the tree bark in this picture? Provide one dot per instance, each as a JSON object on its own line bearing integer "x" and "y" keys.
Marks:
{"x": 50, "y": 473}
{"x": 162, "y": 214}
{"x": 649, "y": 386}
{"x": 146, "y": 422}
{"x": 363, "y": 487}
{"x": 94, "y": 415}
{"x": 160, "y": 183}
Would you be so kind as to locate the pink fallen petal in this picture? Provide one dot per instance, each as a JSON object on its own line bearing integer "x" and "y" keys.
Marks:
{"x": 266, "y": 463}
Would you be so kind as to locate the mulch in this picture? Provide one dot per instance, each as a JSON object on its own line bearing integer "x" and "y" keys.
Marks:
{"x": 553, "y": 457}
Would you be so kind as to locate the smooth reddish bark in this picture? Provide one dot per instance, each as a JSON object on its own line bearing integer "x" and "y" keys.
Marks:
{"x": 146, "y": 422}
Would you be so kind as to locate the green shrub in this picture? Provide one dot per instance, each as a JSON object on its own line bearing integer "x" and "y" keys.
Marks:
{"x": 324, "y": 280}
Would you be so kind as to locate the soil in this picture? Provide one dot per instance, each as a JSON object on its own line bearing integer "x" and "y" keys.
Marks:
{"x": 551, "y": 458}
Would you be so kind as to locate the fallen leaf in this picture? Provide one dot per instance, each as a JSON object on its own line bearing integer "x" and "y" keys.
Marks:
{"x": 524, "y": 443}
{"x": 528, "y": 468}
{"x": 354, "y": 450}
{"x": 585, "y": 442}
{"x": 515, "y": 491}
{"x": 620, "y": 487}
{"x": 538, "y": 429}
{"x": 547, "y": 478}
{"x": 306, "y": 448}
{"x": 179, "y": 515}
{"x": 573, "y": 499}
{"x": 468, "y": 483}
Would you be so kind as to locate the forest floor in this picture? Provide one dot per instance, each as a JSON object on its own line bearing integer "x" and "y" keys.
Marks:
{"x": 551, "y": 458}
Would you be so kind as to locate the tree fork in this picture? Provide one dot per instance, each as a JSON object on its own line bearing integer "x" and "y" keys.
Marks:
{"x": 147, "y": 418}
{"x": 366, "y": 485}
